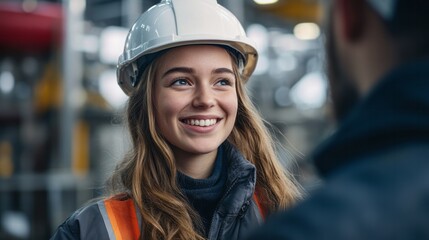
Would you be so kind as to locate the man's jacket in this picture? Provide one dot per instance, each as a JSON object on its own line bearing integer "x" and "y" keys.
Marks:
{"x": 375, "y": 169}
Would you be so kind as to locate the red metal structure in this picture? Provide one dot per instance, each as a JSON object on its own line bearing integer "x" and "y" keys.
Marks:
{"x": 30, "y": 31}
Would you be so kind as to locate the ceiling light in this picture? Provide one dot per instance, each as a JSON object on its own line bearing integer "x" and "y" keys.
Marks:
{"x": 306, "y": 31}
{"x": 265, "y": 2}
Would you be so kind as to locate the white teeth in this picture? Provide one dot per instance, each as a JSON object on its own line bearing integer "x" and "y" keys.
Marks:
{"x": 201, "y": 122}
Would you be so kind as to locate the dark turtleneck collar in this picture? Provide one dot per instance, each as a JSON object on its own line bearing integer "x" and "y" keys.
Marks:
{"x": 395, "y": 112}
{"x": 204, "y": 194}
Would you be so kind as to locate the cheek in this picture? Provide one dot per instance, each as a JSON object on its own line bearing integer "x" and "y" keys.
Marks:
{"x": 231, "y": 105}
{"x": 163, "y": 111}
{"x": 167, "y": 106}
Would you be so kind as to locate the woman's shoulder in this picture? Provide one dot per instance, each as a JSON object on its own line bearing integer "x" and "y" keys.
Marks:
{"x": 88, "y": 222}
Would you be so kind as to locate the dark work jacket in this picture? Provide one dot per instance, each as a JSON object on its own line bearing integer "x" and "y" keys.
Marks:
{"x": 375, "y": 169}
{"x": 236, "y": 214}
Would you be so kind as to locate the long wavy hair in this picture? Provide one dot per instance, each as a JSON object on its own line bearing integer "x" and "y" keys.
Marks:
{"x": 148, "y": 172}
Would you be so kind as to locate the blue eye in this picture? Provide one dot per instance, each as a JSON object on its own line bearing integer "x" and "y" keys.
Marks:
{"x": 224, "y": 82}
{"x": 180, "y": 82}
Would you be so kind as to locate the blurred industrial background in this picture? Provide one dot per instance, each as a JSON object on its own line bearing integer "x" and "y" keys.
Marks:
{"x": 61, "y": 111}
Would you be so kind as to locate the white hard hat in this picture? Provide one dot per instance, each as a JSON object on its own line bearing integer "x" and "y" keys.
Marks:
{"x": 173, "y": 23}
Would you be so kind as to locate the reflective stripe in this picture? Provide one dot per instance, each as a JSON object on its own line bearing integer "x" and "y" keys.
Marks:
{"x": 261, "y": 208}
{"x": 106, "y": 220}
{"x": 139, "y": 216}
{"x": 120, "y": 218}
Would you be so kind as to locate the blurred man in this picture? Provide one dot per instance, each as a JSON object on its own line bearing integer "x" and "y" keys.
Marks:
{"x": 376, "y": 166}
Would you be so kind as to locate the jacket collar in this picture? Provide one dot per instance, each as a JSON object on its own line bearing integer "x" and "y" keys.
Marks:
{"x": 394, "y": 112}
{"x": 240, "y": 183}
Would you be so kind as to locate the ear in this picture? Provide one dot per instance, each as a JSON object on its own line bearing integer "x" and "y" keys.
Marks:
{"x": 352, "y": 18}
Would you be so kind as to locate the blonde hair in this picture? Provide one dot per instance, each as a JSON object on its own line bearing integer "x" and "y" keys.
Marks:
{"x": 148, "y": 171}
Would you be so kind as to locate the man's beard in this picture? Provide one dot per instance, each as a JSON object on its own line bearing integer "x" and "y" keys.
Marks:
{"x": 344, "y": 93}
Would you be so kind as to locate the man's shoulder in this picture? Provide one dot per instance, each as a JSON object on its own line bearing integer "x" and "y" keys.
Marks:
{"x": 382, "y": 190}
{"x": 383, "y": 174}
{"x": 380, "y": 196}
{"x": 397, "y": 162}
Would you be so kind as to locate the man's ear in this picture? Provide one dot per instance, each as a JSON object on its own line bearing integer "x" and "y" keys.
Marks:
{"x": 351, "y": 13}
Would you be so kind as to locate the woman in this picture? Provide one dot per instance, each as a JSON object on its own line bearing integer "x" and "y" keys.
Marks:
{"x": 202, "y": 164}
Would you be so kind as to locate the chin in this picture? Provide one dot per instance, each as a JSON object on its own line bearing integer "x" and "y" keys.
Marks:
{"x": 203, "y": 150}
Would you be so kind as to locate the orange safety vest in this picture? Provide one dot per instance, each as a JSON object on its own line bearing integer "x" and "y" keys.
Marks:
{"x": 122, "y": 219}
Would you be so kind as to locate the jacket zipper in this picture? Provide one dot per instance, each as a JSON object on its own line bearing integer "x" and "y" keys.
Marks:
{"x": 218, "y": 205}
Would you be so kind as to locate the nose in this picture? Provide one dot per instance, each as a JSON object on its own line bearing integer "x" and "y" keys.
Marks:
{"x": 204, "y": 97}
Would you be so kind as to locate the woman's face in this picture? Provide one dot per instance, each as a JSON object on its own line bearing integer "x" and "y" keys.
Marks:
{"x": 195, "y": 99}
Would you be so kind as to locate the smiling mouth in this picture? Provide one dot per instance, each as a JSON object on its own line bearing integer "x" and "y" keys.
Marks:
{"x": 200, "y": 122}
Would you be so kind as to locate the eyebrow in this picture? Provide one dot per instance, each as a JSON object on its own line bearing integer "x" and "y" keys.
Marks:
{"x": 178, "y": 69}
{"x": 223, "y": 70}
{"x": 190, "y": 70}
